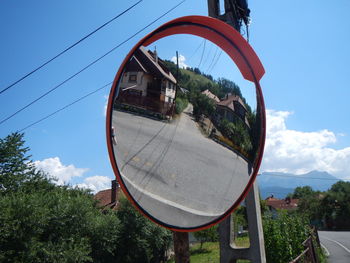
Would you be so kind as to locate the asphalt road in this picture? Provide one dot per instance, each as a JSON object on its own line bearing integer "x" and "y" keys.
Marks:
{"x": 337, "y": 243}
{"x": 174, "y": 172}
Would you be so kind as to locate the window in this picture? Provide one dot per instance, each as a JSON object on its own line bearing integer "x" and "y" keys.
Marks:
{"x": 132, "y": 78}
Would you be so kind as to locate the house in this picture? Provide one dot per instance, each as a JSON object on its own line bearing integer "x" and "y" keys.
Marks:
{"x": 275, "y": 204}
{"x": 233, "y": 109}
{"x": 211, "y": 95}
{"x": 147, "y": 83}
{"x": 109, "y": 198}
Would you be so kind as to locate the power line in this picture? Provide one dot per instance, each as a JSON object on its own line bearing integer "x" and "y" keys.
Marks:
{"x": 89, "y": 65}
{"x": 212, "y": 61}
{"x": 200, "y": 62}
{"x": 208, "y": 55}
{"x": 68, "y": 105}
{"x": 191, "y": 57}
{"x": 70, "y": 47}
{"x": 213, "y": 66}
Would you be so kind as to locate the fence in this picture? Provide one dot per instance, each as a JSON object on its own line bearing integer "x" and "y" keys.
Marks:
{"x": 147, "y": 103}
{"x": 309, "y": 254}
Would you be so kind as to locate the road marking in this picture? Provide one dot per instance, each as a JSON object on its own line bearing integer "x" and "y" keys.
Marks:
{"x": 340, "y": 244}
{"x": 327, "y": 251}
{"x": 136, "y": 159}
{"x": 168, "y": 202}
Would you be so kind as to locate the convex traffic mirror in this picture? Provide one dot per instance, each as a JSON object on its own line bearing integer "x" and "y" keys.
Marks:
{"x": 186, "y": 123}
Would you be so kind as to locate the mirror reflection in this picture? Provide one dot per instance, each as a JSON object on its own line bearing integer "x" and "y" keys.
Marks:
{"x": 185, "y": 130}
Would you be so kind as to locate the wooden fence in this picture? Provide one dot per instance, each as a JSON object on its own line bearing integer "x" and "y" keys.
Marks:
{"x": 309, "y": 254}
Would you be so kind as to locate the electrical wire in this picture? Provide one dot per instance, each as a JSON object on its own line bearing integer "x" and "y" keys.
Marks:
{"x": 89, "y": 65}
{"x": 215, "y": 62}
{"x": 65, "y": 107}
{"x": 191, "y": 57}
{"x": 70, "y": 47}
{"x": 200, "y": 62}
{"x": 212, "y": 61}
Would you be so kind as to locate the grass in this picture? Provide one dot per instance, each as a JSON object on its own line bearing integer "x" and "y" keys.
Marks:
{"x": 210, "y": 253}
{"x": 242, "y": 242}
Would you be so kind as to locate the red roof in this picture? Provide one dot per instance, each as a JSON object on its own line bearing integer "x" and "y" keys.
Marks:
{"x": 228, "y": 102}
{"x": 104, "y": 198}
{"x": 286, "y": 204}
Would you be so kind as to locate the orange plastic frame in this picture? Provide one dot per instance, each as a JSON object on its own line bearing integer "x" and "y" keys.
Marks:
{"x": 246, "y": 60}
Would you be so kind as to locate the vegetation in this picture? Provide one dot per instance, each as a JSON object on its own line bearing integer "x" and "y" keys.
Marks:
{"x": 237, "y": 133}
{"x": 329, "y": 210}
{"x": 194, "y": 81}
{"x": 284, "y": 236}
{"x": 43, "y": 222}
{"x": 207, "y": 235}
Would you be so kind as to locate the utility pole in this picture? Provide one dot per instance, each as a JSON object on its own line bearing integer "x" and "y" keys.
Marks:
{"x": 181, "y": 247}
{"x": 181, "y": 241}
{"x": 237, "y": 12}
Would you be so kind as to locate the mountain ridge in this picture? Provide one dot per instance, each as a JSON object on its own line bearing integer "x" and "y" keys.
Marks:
{"x": 280, "y": 184}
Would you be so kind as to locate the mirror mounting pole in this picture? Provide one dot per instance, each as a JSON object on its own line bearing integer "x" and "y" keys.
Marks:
{"x": 256, "y": 251}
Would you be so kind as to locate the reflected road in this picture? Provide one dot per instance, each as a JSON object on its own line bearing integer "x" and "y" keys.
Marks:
{"x": 171, "y": 169}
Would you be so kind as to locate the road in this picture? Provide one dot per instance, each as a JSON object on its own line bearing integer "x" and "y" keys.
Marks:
{"x": 338, "y": 245}
{"x": 174, "y": 172}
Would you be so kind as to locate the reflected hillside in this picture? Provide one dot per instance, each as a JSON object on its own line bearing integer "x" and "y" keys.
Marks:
{"x": 220, "y": 109}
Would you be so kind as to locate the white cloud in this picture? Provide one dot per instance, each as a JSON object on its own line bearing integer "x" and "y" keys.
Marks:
{"x": 96, "y": 183}
{"x": 300, "y": 152}
{"x": 63, "y": 173}
{"x": 105, "y": 105}
{"x": 182, "y": 60}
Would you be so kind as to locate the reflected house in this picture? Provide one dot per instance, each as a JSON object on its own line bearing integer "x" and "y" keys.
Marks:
{"x": 147, "y": 84}
{"x": 233, "y": 109}
{"x": 211, "y": 95}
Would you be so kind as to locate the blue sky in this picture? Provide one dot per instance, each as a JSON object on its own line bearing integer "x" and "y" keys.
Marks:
{"x": 303, "y": 46}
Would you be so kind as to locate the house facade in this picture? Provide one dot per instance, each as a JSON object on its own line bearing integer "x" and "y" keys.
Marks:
{"x": 275, "y": 204}
{"x": 233, "y": 109}
{"x": 147, "y": 83}
{"x": 211, "y": 95}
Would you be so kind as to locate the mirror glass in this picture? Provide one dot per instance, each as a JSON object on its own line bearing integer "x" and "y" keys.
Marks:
{"x": 185, "y": 130}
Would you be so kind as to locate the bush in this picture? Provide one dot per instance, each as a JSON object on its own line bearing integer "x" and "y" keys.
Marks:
{"x": 284, "y": 236}
{"x": 180, "y": 105}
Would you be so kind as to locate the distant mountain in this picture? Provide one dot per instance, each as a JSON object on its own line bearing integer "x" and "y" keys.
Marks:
{"x": 281, "y": 183}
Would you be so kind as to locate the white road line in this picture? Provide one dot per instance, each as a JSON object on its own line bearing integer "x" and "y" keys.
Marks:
{"x": 168, "y": 202}
{"x": 340, "y": 244}
{"x": 327, "y": 251}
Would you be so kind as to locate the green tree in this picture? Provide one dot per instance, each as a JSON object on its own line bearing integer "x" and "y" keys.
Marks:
{"x": 303, "y": 192}
{"x": 44, "y": 222}
{"x": 17, "y": 171}
{"x": 202, "y": 105}
{"x": 207, "y": 235}
{"x": 335, "y": 206}
{"x": 140, "y": 240}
